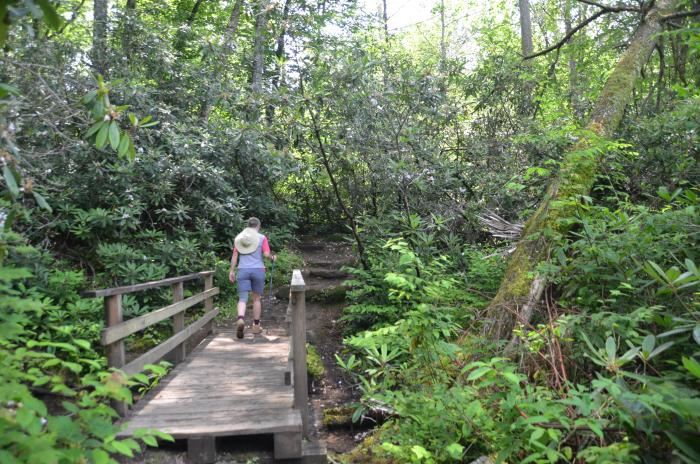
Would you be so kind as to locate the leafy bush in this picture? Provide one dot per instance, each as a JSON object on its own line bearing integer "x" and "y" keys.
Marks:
{"x": 34, "y": 363}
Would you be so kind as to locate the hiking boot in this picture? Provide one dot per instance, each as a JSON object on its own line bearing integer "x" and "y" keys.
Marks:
{"x": 240, "y": 325}
{"x": 257, "y": 329}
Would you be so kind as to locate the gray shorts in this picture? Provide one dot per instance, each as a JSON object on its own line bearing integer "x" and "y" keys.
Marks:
{"x": 250, "y": 280}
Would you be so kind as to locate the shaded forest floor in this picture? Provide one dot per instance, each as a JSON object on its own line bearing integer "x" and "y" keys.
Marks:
{"x": 324, "y": 306}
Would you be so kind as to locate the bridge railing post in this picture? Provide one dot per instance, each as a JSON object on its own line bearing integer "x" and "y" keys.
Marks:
{"x": 178, "y": 322}
{"x": 209, "y": 302}
{"x": 301, "y": 392}
{"x": 115, "y": 351}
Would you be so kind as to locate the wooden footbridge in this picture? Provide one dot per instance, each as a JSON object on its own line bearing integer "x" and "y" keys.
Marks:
{"x": 226, "y": 386}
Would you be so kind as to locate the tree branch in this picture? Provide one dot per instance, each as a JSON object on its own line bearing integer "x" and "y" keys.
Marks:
{"x": 568, "y": 36}
{"x": 681, "y": 14}
{"x": 610, "y": 8}
{"x": 604, "y": 9}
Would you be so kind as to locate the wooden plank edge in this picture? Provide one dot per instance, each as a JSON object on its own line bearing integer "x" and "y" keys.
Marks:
{"x": 143, "y": 286}
{"x": 223, "y": 430}
{"x": 164, "y": 348}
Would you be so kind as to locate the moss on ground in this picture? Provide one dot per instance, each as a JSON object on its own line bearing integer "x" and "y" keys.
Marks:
{"x": 314, "y": 365}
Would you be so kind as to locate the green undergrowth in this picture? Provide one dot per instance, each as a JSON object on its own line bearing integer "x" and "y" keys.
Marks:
{"x": 609, "y": 372}
{"x": 54, "y": 384}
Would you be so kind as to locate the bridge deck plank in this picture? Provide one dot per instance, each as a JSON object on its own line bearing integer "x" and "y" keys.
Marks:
{"x": 225, "y": 387}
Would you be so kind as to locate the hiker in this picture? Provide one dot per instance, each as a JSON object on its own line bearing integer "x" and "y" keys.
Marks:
{"x": 249, "y": 248}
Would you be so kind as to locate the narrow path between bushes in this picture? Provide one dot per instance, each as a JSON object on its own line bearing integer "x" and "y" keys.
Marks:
{"x": 325, "y": 300}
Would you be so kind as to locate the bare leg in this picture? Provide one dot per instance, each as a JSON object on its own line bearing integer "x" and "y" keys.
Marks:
{"x": 241, "y": 308}
{"x": 257, "y": 306}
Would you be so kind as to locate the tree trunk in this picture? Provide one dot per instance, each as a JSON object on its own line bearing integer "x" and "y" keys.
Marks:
{"x": 258, "y": 55}
{"x": 527, "y": 50}
{"x": 574, "y": 88}
{"x": 277, "y": 78}
{"x": 258, "y": 49}
{"x": 521, "y": 287}
{"x": 385, "y": 17}
{"x": 193, "y": 13}
{"x": 443, "y": 43}
{"x": 181, "y": 36}
{"x": 99, "y": 36}
{"x": 229, "y": 46}
{"x": 525, "y": 27}
{"x": 128, "y": 32}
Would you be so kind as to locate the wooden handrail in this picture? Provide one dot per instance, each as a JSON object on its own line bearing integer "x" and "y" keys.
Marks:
{"x": 297, "y": 308}
{"x": 144, "y": 286}
{"x": 154, "y": 354}
{"x": 117, "y": 329}
{"x": 117, "y": 332}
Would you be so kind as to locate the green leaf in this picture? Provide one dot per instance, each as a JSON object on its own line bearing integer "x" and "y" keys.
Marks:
{"x": 123, "y": 149}
{"x": 7, "y": 458}
{"x": 101, "y": 138}
{"x": 41, "y": 201}
{"x": 114, "y": 135}
{"x": 7, "y": 89}
{"x": 132, "y": 150}
{"x": 515, "y": 186}
{"x": 696, "y": 334}
{"x": 84, "y": 344}
{"x": 420, "y": 452}
{"x": 122, "y": 448}
{"x": 455, "y": 451}
{"x": 480, "y": 372}
{"x": 692, "y": 365}
{"x": 90, "y": 96}
{"x": 610, "y": 348}
{"x": 150, "y": 441}
{"x": 162, "y": 435}
{"x": 50, "y": 15}
{"x": 687, "y": 449}
{"x": 10, "y": 181}
{"x": 94, "y": 128}
{"x": 100, "y": 456}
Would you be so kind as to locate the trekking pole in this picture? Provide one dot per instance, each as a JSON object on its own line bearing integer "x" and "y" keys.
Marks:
{"x": 272, "y": 271}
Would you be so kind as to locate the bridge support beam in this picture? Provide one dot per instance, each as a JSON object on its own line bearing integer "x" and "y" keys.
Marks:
{"x": 202, "y": 450}
{"x": 288, "y": 445}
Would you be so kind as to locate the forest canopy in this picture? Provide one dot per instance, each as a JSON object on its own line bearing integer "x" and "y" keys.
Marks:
{"x": 519, "y": 182}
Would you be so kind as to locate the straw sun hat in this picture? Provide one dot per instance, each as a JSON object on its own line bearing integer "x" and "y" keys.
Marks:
{"x": 247, "y": 241}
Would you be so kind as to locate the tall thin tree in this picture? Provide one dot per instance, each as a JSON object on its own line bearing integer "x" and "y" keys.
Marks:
{"x": 260, "y": 11}
{"x": 527, "y": 49}
{"x": 99, "y": 36}
{"x": 221, "y": 60}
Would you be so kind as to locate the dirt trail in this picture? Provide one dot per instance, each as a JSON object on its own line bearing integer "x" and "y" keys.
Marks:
{"x": 324, "y": 306}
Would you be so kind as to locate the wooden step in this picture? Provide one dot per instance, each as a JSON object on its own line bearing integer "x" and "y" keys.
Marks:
{"x": 323, "y": 273}
{"x": 314, "y": 452}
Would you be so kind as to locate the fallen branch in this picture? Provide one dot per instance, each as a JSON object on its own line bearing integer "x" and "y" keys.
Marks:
{"x": 499, "y": 227}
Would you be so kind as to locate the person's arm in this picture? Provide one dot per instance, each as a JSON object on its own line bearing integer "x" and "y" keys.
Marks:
{"x": 266, "y": 250}
{"x": 234, "y": 260}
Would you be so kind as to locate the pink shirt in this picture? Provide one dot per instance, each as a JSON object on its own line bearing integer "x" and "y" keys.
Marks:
{"x": 253, "y": 260}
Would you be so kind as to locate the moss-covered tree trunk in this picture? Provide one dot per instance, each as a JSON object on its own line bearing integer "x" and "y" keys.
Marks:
{"x": 521, "y": 288}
